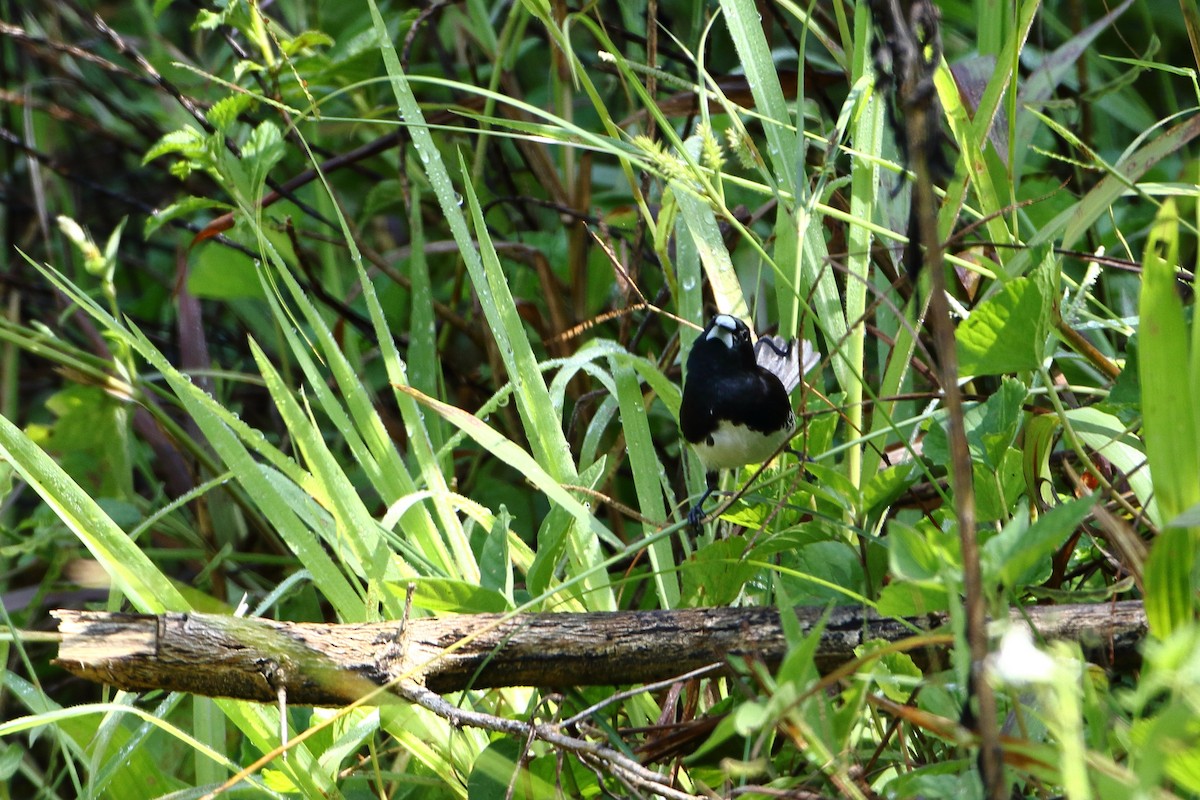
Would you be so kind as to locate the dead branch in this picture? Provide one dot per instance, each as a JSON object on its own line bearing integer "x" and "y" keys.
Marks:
{"x": 331, "y": 665}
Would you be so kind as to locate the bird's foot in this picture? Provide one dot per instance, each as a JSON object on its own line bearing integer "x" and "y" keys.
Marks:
{"x": 696, "y": 515}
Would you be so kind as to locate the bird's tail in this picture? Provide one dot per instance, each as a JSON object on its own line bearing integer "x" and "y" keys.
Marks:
{"x": 784, "y": 358}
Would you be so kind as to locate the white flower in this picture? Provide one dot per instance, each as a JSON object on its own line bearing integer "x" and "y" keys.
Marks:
{"x": 1018, "y": 661}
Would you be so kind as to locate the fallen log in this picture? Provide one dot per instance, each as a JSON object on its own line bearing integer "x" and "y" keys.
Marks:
{"x": 329, "y": 664}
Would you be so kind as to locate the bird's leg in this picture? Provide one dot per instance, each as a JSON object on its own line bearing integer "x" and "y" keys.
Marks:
{"x": 697, "y": 512}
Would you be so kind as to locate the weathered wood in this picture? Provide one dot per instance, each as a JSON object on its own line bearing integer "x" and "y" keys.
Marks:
{"x": 328, "y": 665}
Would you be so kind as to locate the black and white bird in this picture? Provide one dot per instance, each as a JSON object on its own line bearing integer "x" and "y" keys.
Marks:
{"x": 736, "y": 408}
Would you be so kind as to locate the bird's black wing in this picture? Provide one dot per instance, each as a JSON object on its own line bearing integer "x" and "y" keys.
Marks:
{"x": 755, "y": 399}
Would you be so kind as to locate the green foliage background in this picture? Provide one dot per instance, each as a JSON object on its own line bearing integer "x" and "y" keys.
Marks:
{"x": 312, "y": 303}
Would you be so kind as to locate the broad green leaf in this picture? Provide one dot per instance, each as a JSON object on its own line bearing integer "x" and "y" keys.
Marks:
{"x": 822, "y": 572}
{"x": 1111, "y": 440}
{"x": 887, "y": 485}
{"x": 1006, "y": 332}
{"x": 912, "y": 556}
{"x": 1037, "y": 442}
{"x": 991, "y": 427}
{"x": 895, "y": 673}
{"x": 447, "y": 595}
{"x": 220, "y": 274}
{"x": 716, "y": 573}
{"x": 1020, "y": 554}
{"x": 901, "y": 598}
{"x": 998, "y": 488}
{"x": 90, "y": 428}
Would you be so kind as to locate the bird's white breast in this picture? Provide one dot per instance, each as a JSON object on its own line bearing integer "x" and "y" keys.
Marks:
{"x": 732, "y": 446}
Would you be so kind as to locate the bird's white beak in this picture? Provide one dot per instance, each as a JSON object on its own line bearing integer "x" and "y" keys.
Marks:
{"x": 724, "y": 327}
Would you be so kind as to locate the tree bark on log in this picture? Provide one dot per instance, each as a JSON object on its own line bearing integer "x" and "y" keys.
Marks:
{"x": 331, "y": 665}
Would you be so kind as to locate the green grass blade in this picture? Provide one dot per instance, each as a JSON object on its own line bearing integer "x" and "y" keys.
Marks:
{"x": 1168, "y": 406}
{"x": 701, "y": 225}
{"x": 746, "y": 28}
{"x": 491, "y": 286}
{"x": 585, "y": 551}
{"x": 1168, "y": 411}
{"x": 359, "y": 423}
{"x": 539, "y": 416}
{"x": 359, "y": 542}
{"x": 864, "y": 188}
{"x": 647, "y": 476}
{"x": 132, "y": 573}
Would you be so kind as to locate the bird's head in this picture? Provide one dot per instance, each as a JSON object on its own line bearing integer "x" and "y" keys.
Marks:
{"x": 727, "y": 339}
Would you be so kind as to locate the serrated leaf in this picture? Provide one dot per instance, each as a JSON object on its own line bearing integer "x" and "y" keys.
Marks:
{"x": 187, "y": 142}
{"x": 246, "y": 67}
{"x": 262, "y": 151}
{"x": 225, "y": 111}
